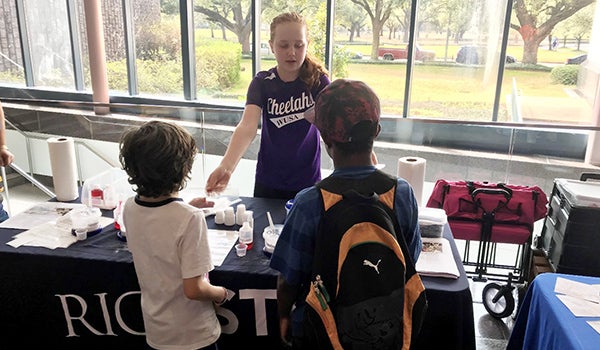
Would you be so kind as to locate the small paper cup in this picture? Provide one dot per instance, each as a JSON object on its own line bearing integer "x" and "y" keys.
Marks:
{"x": 240, "y": 249}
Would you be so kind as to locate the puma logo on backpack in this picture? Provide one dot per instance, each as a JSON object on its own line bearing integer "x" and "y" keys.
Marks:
{"x": 368, "y": 263}
{"x": 365, "y": 292}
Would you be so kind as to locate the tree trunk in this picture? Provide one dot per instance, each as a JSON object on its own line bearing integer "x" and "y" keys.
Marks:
{"x": 244, "y": 39}
{"x": 375, "y": 47}
{"x": 530, "y": 50}
{"x": 532, "y": 37}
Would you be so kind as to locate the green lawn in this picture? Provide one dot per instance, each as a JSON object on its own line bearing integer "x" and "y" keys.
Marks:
{"x": 438, "y": 90}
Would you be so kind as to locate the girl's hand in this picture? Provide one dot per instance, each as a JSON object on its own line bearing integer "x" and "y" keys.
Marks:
{"x": 218, "y": 180}
{"x": 201, "y": 202}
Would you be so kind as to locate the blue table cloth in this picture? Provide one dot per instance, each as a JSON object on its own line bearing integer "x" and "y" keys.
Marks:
{"x": 545, "y": 323}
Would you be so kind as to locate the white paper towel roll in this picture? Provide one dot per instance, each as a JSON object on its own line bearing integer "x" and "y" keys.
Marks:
{"x": 412, "y": 169}
{"x": 64, "y": 168}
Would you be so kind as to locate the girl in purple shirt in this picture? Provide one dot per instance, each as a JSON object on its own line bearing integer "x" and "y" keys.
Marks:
{"x": 282, "y": 100}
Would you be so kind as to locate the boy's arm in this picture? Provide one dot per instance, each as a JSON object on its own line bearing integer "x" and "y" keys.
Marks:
{"x": 286, "y": 296}
{"x": 199, "y": 288}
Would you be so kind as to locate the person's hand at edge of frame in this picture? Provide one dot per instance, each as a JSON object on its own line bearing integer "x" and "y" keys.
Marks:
{"x": 201, "y": 202}
{"x": 218, "y": 180}
{"x": 6, "y": 157}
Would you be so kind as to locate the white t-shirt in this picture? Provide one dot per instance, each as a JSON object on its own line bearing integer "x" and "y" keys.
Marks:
{"x": 168, "y": 241}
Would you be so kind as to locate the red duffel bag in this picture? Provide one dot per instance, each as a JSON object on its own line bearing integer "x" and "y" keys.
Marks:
{"x": 468, "y": 200}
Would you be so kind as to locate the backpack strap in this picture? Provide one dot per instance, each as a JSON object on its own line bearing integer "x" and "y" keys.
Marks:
{"x": 318, "y": 299}
{"x": 333, "y": 188}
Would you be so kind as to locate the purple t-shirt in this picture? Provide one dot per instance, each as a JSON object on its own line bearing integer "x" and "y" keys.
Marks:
{"x": 289, "y": 157}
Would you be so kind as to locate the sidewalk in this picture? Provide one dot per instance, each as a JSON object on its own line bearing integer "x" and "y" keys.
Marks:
{"x": 571, "y": 110}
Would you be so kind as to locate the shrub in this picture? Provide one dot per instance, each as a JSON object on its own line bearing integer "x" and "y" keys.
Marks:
{"x": 161, "y": 40}
{"x": 566, "y": 75}
{"x": 13, "y": 76}
{"x": 218, "y": 65}
{"x": 160, "y": 76}
{"x": 117, "y": 75}
{"x": 154, "y": 77}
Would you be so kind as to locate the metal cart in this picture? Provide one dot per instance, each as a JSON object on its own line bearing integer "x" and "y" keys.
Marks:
{"x": 492, "y": 214}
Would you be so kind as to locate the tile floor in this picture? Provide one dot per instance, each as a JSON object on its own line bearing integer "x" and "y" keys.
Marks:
{"x": 491, "y": 333}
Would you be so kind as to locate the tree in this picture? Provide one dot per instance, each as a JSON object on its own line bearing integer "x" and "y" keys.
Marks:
{"x": 393, "y": 25}
{"x": 537, "y": 18}
{"x": 230, "y": 15}
{"x": 578, "y": 26}
{"x": 379, "y": 12}
{"x": 351, "y": 17}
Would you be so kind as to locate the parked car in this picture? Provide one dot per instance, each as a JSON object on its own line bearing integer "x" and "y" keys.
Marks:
{"x": 577, "y": 59}
{"x": 357, "y": 55}
{"x": 392, "y": 53}
{"x": 472, "y": 54}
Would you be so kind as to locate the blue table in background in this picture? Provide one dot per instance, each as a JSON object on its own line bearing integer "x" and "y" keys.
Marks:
{"x": 545, "y": 323}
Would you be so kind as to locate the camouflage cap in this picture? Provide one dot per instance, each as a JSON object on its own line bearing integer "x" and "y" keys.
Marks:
{"x": 347, "y": 110}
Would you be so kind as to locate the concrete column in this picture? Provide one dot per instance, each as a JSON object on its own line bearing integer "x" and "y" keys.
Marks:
{"x": 95, "y": 36}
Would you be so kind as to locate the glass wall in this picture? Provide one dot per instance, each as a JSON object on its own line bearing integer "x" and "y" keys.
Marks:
{"x": 49, "y": 40}
{"x": 466, "y": 37}
{"x": 11, "y": 59}
{"x": 498, "y": 61}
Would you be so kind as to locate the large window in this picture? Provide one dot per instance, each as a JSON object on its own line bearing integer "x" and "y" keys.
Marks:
{"x": 49, "y": 40}
{"x": 467, "y": 60}
{"x": 11, "y": 59}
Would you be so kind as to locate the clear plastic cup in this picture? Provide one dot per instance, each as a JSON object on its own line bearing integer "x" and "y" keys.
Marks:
{"x": 240, "y": 249}
{"x": 81, "y": 234}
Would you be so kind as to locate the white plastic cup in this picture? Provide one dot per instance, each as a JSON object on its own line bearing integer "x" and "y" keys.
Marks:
{"x": 240, "y": 249}
{"x": 229, "y": 216}
{"x": 240, "y": 214}
{"x": 220, "y": 217}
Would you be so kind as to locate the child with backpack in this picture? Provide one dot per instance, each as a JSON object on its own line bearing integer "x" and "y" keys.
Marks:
{"x": 350, "y": 243}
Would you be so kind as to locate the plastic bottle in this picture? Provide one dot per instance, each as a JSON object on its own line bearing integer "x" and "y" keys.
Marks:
{"x": 246, "y": 234}
{"x": 117, "y": 215}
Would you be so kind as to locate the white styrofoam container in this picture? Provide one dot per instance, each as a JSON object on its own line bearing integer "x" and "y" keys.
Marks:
{"x": 432, "y": 221}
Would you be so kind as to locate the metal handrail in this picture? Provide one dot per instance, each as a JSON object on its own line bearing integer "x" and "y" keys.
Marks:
{"x": 29, "y": 178}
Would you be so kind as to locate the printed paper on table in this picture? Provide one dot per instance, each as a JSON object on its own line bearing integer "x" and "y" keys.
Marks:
{"x": 436, "y": 259}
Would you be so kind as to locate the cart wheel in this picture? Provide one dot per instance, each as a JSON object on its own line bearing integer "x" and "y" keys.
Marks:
{"x": 504, "y": 303}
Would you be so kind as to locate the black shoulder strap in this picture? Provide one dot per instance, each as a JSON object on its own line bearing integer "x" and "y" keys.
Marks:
{"x": 377, "y": 182}
{"x": 377, "y": 186}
